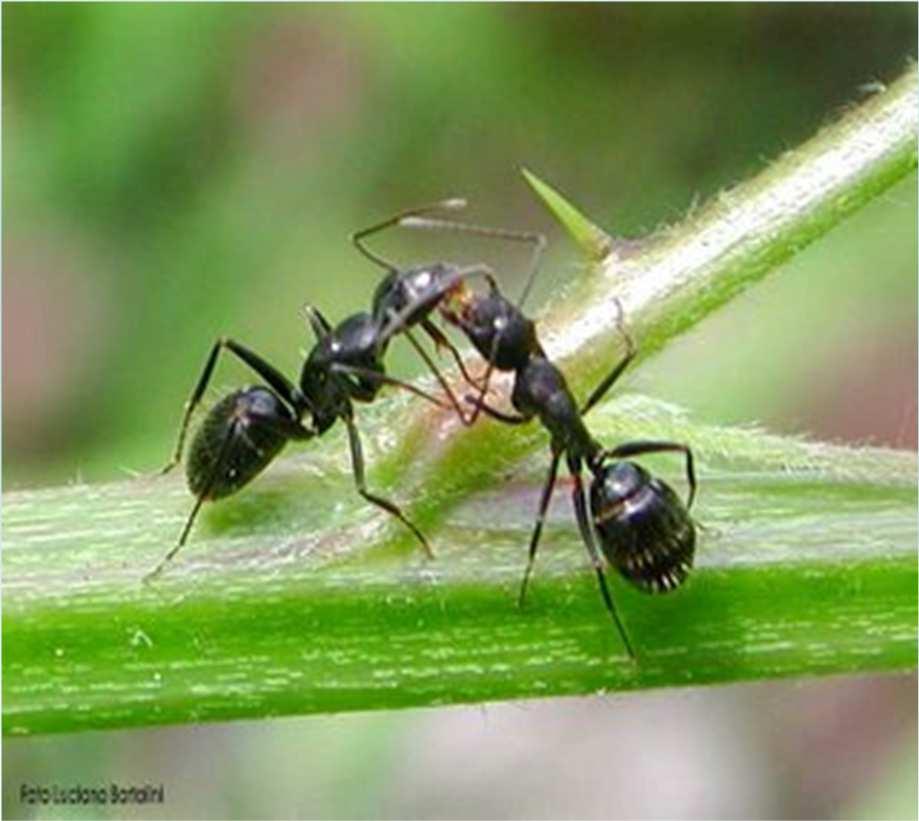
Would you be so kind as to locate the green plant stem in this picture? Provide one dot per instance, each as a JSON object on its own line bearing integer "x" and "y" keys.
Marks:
{"x": 669, "y": 282}
{"x": 284, "y": 603}
{"x": 806, "y": 566}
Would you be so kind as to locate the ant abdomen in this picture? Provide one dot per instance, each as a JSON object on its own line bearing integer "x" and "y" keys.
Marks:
{"x": 645, "y": 530}
{"x": 238, "y": 438}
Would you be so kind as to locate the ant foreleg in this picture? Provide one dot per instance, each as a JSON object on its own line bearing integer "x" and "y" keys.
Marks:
{"x": 357, "y": 463}
{"x": 580, "y": 509}
{"x": 439, "y": 376}
{"x": 544, "y": 499}
{"x": 483, "y": 387}
{"x": 382, "y": 378}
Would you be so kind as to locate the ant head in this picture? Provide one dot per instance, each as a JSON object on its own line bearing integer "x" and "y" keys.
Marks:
{"x": 410, "y": 295}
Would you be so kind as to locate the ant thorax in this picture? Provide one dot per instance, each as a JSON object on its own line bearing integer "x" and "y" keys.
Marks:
{"x": 495, "y": 326}
{"x": 354, "y": 341}
{"x": 540, "y": 390}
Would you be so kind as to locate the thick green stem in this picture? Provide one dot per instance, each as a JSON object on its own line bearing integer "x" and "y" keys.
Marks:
{"x": 283, "y": 603}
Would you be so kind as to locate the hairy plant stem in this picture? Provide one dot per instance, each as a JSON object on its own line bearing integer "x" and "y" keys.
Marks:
{"x": 284, "y": 601}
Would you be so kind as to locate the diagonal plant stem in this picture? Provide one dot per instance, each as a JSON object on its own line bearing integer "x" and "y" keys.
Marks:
{"x": 284, "y": 602}
{"x": 669, "y": 282}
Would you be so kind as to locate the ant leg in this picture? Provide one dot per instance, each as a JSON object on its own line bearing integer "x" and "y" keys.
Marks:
{"x": 483, "y": 387}
{"x": 547, "y": 489}
{"x": 494, "y": 413}
{"x": 358, "y": 236}
{"x": 269, "y": 373}
{"x": 376, "y": 376}
{"x": 538, "y": 241}
{"x": 441, "y": 341}
{"x": 580, "y": 509}
{"x": 183, "y": 536}
{"x": 610, "y": 380}
{"x": 440, "y": 378}
{"x": 357, "y": 463}
{"x": 535, "y": 260}
{"x": 641, "y": 447}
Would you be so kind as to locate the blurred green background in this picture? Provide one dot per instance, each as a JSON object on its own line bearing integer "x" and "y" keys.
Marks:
{"x": 174, "y": 172}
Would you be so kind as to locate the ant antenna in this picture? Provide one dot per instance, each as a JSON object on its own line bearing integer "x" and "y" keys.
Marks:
{"x": 317, "y": 321}
{"x": 450, "y": 204}
{"x": 538, "y": 241}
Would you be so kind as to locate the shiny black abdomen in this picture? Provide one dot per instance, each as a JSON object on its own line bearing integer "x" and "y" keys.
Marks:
{"x": 645, "y": 531}
{"x": 245, "y": 417}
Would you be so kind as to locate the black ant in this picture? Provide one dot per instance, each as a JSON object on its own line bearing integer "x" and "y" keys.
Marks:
{"x": 245, "y": 430}
{"x": 644, "y": 529}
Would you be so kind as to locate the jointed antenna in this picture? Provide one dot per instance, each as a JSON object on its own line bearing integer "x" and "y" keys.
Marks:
{"x": 450, "y": 204}
{"x": 537, "y": 240}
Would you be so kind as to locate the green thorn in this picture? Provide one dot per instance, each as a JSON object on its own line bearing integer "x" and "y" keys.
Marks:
{"x": 594, "y": 241}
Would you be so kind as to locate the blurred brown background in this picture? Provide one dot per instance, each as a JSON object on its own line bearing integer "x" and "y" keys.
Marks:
{"x": 174, "y": 172}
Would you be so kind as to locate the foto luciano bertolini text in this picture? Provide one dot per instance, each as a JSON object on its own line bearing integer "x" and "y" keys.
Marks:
{"x": 96, "y": 794}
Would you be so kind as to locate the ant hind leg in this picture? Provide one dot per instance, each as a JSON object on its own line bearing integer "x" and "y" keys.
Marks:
{"x": 186, "y": 529}
{"x": 580, "y": 508}
{"x": 357, "y": 464}
{"x": 544, "y": 499}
